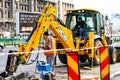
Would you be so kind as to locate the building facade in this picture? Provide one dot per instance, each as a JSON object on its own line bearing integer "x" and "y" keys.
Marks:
{"x": 63, "y": 6}
{"x": 8, "y": 9}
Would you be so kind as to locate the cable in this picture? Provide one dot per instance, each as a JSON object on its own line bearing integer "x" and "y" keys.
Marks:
{"x": 32, "y": 60}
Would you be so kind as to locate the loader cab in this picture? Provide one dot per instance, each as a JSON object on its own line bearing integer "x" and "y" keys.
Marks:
{"x": 93, "y": 20}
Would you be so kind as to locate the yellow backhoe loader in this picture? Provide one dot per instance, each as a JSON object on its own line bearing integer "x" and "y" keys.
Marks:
{"x": 87, "y": 47}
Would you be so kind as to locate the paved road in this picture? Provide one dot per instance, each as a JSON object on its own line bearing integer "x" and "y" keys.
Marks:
{"x": 61, "y": 71}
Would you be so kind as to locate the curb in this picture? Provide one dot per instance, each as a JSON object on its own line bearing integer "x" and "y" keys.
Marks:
{"x": 86, "y": 77}
{"x": 116, "y": 74}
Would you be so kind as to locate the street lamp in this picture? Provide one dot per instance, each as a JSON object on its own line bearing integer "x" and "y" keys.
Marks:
{"x": 111, "y": 25}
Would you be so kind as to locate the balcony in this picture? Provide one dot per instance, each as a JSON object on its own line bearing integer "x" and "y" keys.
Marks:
{"x": 8, "y": 20}
{"x": 1, "y": 19}
{"x": 54, "y": 1}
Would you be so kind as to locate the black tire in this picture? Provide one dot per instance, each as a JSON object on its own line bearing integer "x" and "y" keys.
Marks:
{"x": 1, "y": 48}
{"x": 92, "y": 61}
{"x": 83, "y": 58}
{"x": 112, "y": 54}
{"x": 118, "y": 58}
{"x": 63, "y": 58}
{"x": 118, "y": 54}
{"x": 96, "y": 58}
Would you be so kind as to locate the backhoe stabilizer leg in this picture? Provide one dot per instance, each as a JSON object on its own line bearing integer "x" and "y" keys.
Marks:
{"x": 11, "y": 65}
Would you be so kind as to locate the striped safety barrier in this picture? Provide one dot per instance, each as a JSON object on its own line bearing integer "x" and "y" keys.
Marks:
{"x": 73, "y": 66}
{"x": 73, "y": 63}
{"x": 104, "y": 63}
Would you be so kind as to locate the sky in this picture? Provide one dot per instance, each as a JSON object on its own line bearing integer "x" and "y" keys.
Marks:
{"x": 105, "y": 6}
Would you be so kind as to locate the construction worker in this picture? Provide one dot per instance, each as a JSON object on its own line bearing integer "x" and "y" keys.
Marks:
{"x": 49, "y": 51}
{"x": 80, "y": 24}
{"x": 78, "y": 30}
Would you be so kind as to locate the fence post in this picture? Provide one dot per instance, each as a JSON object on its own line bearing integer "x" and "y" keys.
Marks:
{"x": 104, "y": 63}
{"x": 73, "y": 65}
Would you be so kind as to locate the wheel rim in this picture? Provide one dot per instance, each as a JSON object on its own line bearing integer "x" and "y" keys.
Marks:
{"x": 97, "y": 55}
{"x": 114, "y": 55}
{"x": 97, "y": 52}
{"x": 0, "y": 48}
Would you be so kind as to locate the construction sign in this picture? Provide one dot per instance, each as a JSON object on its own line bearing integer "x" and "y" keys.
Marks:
{"x": 104, "y": 63}
{"x": 73, "y": 66}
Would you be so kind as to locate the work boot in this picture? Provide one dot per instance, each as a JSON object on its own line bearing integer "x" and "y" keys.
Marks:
{"x": 53, "y": 74}
{"x": 49, "y": 76}
{"x": 4, "y": 74}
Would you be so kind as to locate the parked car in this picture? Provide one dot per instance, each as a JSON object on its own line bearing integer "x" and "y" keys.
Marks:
{"x": 1, "y": 47}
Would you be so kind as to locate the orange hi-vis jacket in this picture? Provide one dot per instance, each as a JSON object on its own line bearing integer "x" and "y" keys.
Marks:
{"x": 50, "y": 43}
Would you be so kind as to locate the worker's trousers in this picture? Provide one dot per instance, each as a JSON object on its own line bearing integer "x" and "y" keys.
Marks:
{"x": 50, "y": 60}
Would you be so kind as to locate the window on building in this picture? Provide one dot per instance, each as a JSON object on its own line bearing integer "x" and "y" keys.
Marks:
{"x": 6, "y": 11}
{"x": 23, "y": 1}
{"x": 27, "y": 1}
{"x": 9, "y": 16}
{"x": 72, "y": 6}
{"x": 1, "y": 3}
{"x": 45, "y": 2}
{"x": 34, "y": 2}
{"x": 6, "y": 5}
{"x": 34, "y": 5}
{"x": 34, "y": 8}
{"x": 22, "y": 7}
{"x": 26, "y": 8}
{"x": 1, "y": 14}
{"x": 16, "y": 5}
{"x": 67, "y": 6}
{"x": 39, "y": 10}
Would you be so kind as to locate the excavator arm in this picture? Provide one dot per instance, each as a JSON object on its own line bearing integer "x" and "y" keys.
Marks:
{"x": 45, "y": 21}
